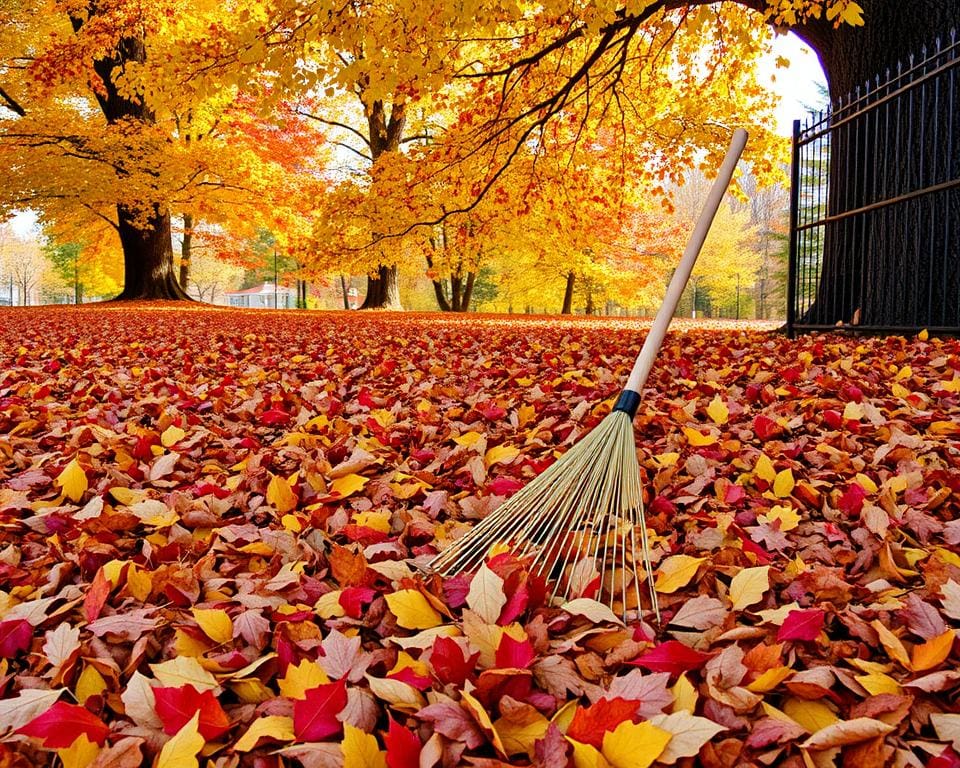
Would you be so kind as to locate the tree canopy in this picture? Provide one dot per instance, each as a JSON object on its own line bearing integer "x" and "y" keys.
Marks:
{"x": 369, "y": 136}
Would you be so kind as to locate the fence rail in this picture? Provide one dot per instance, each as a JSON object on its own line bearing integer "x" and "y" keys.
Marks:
{"x": 875, "y": 204}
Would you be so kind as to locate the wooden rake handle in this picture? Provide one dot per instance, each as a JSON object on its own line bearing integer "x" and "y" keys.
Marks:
{"x": 651, "y": 346}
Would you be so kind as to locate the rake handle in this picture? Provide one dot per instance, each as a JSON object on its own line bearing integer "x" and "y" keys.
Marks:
{"x": 630, "y": 399}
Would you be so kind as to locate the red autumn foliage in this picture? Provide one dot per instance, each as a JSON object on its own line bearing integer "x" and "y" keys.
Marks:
{"x": 836, "y": 465}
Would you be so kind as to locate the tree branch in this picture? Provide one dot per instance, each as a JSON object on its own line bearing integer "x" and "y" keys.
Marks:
{"x": 336, "y": 124}
{"x": 10, "y": 103}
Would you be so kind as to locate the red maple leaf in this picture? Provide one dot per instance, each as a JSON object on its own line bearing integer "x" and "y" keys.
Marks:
{"x": 177, "y": 706}
{"x": 63, "y": 723}
{"x": 673, "y": 657}
{"x": 802, "y": 625}
{"x": 403, "y": 746}
{"x": 15, "y": 636}
{"x": 315, "y": 717}
{"x": 352, "y": 600}
{"x": 514, "y": 654}
{"x": 449, "y": 663}
{"x": 590, "y": 723}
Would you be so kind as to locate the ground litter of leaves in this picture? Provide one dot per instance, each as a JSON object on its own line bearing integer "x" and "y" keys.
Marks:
{"x": 211, "y": 524}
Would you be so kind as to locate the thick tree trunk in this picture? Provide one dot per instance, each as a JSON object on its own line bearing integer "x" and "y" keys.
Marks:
{"x": 147, "y": 257}
{"x": 385, "y": 131}
{"x": 438, "y": 291}
{"x": 568, "y": 295}
{"x": 880, "y": 270}
{"x": 383, "y": 289}
{"x": 185, "y": 251}
{"x": 147, "y": 250}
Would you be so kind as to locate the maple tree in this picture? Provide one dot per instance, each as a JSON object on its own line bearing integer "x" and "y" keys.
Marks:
{"x": 209, "y": 549}
{"x": 111, "y": 124}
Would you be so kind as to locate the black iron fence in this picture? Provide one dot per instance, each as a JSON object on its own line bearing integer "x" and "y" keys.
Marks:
{"x": 875, "y": 204}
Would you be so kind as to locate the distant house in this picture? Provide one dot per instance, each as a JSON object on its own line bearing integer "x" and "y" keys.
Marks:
{"x": 263, "y": 296}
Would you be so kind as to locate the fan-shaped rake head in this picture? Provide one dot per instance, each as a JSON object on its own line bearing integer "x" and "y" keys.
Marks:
{"x": 579, "y": 520}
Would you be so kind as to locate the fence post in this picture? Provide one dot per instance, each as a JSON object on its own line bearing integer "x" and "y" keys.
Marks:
{"x": 792, "y": 275}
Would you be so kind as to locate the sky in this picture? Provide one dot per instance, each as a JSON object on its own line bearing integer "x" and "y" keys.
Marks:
{"x": 796, "y": 85}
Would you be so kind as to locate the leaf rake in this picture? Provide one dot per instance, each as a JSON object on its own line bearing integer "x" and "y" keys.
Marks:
{"x": 579, "y": 522}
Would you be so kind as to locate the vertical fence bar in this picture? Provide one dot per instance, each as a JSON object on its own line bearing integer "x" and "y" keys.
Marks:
{"x": 792, "y": 274}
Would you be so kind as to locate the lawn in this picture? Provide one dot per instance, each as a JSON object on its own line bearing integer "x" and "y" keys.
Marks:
{"x": 211, "y": 524}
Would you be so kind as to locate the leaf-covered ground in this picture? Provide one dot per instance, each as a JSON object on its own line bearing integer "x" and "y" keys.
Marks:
{"x": 211, "y": 523}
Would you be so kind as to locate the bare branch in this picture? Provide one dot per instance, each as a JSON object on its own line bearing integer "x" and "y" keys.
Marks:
{"x": 336, "y": 124}
{"x": 10, "y": 103}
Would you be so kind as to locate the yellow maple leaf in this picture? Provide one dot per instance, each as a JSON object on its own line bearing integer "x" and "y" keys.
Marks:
{"x": 378, "y": 520}
{"x": 182, "y": 748}
{"x": 72, "y": 480}
{"x": 697, "y": 439}
{"x": 520, "y": 728}
{"x": 665, "y": 460}
{"x": 812, "y": 715}
{"x": 684, "y": 695}
{"x": 127, "y": 496}
{"x": 215, "y": 623}
{"x": 853, "y": 411}
{"x": 90, "y": 683}
{"x": 749, "y": 586}
{"x": 171, "y": 436}
{"x": 783, "y": 484}
{"x": 301, "y": 678}
{"x": 467, "y": 439}
{"x": 184, "y": 671}
{"x": 275, "y": 727}
{"x": 764, "y": 468}
{"x": 877, "y": 683}
{"x": 328, "y": 605}
{"x": 587, "y": 755}
{"x": 348, "y": 484}
{"x": 633, "y": 745}
{"x": 676, "y": 572}
{"x": 80, "y": 753}
{"x": 280, "y": 495}
{"x": 784, "y": 514}
{"x": 769, "y": 679}
{"x": 412, "y": 610}
{"x": 500, "y": 454}
{"x": 361, "y": 749}
{"x": 894, "y": 647}
{"x": 852, "y": 14}
{"x": 718, "y": 411}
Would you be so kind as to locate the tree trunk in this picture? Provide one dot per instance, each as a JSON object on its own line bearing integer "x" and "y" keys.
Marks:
{"x": 383, "y": 289}
{"x": 467, "y": 292}
{"x": 346, "y": 294}
{"x": 455, "y": 290}
{"x": 147, "y": 257}
{"x": 878, "y": 269}
{"x": 568, "y": 295}
{"x": 441, "y": 296}
{"x": 185, "y": 251}
{"x": 385, "y": 131}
